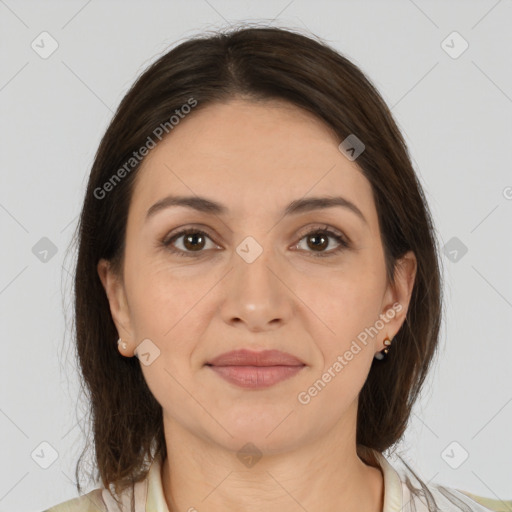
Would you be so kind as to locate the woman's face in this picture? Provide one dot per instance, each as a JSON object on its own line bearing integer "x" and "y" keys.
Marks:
{"x": 254, "y": 276}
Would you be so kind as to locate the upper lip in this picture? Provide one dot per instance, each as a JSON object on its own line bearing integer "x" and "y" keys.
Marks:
{"x": 250, "y": 358}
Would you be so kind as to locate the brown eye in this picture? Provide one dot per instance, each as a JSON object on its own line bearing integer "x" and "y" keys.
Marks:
{"x": 318, "y": 240}
{"x": 193, "y": 241}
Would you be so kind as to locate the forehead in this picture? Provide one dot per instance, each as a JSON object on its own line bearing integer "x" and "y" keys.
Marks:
{"x": 253, "y": 157}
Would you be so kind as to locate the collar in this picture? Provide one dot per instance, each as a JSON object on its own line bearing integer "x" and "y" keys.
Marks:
{"x": 155, "y": 492}
{"x": 393, "y": 501}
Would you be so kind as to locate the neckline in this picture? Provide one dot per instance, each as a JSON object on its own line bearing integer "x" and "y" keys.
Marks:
{"x": 155, "y": 499}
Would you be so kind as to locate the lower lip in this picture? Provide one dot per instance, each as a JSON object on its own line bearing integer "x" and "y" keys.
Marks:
{"x": 256, "y": 377}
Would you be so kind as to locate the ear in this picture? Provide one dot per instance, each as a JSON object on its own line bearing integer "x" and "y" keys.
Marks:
{"x": 397, "y": 296}
{"x": 114, "y": 288}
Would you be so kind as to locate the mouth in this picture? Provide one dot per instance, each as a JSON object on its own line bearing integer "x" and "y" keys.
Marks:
{"x": 255, "y": 377}
{"x": 246, "y": 357}
{"x": 255, "y": 370}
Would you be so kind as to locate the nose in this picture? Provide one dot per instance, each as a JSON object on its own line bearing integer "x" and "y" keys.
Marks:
{"x": 257, "y": 293}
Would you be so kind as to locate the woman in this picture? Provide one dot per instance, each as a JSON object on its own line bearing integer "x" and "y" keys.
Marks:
{"x": 258, "y": 293}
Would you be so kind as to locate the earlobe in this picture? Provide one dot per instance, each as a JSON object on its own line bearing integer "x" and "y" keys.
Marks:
{"x": 116, "y": 296}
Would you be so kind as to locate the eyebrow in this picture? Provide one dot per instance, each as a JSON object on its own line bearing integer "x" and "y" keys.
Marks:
{"x": 202, "y": 204}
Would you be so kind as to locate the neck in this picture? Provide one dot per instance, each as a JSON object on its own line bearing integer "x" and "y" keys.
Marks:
{"x": 325, "y": 474}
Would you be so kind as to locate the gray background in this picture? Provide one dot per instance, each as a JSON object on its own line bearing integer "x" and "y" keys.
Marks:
{"x": 454, "y": 110}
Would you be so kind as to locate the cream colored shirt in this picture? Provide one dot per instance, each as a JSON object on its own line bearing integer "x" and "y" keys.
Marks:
{"x": 403, "y": 492}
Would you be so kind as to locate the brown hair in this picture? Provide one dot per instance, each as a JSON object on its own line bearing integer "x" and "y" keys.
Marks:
{"x": 253, "y": 63}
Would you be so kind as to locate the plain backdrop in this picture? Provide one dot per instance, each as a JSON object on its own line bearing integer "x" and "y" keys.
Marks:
{"x": 444, "y": 69}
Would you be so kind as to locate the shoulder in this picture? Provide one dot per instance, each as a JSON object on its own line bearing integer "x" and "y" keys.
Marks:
{"x": 411, "y": 492}
{"x": 464, "y": 501}
{"x": 139, "y": 496}
{"x": 102, "y": 500}
{"x": 439, "y": 497}
{"x": 90, "y": 502}
{"x": 490, "y": 504}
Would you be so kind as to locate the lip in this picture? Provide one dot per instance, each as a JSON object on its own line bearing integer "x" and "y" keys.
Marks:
{"x": 255, "y": 370}
{"x": 245, "y": 357}
{"x": 256, "y": 377}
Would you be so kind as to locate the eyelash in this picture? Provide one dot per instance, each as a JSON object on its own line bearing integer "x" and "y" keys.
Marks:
{"x": 344, "y": 243}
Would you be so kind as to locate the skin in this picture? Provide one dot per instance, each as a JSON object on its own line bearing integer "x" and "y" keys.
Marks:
{"x": 255, "y": 158}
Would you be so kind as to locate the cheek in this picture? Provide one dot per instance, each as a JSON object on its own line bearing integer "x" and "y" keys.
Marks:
{"x": 162, "y": 301}
{"x": 348, "y": 308}
{"x": 345, "y": 300}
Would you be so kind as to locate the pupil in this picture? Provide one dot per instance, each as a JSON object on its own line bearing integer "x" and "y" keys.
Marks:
{"x": 316, "y": 237}
{"x": 192, "y": 237}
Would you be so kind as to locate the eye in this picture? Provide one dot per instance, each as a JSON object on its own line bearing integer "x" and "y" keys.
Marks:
{"x": 320, "y": 240}
{"x": 193, "y": 242}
